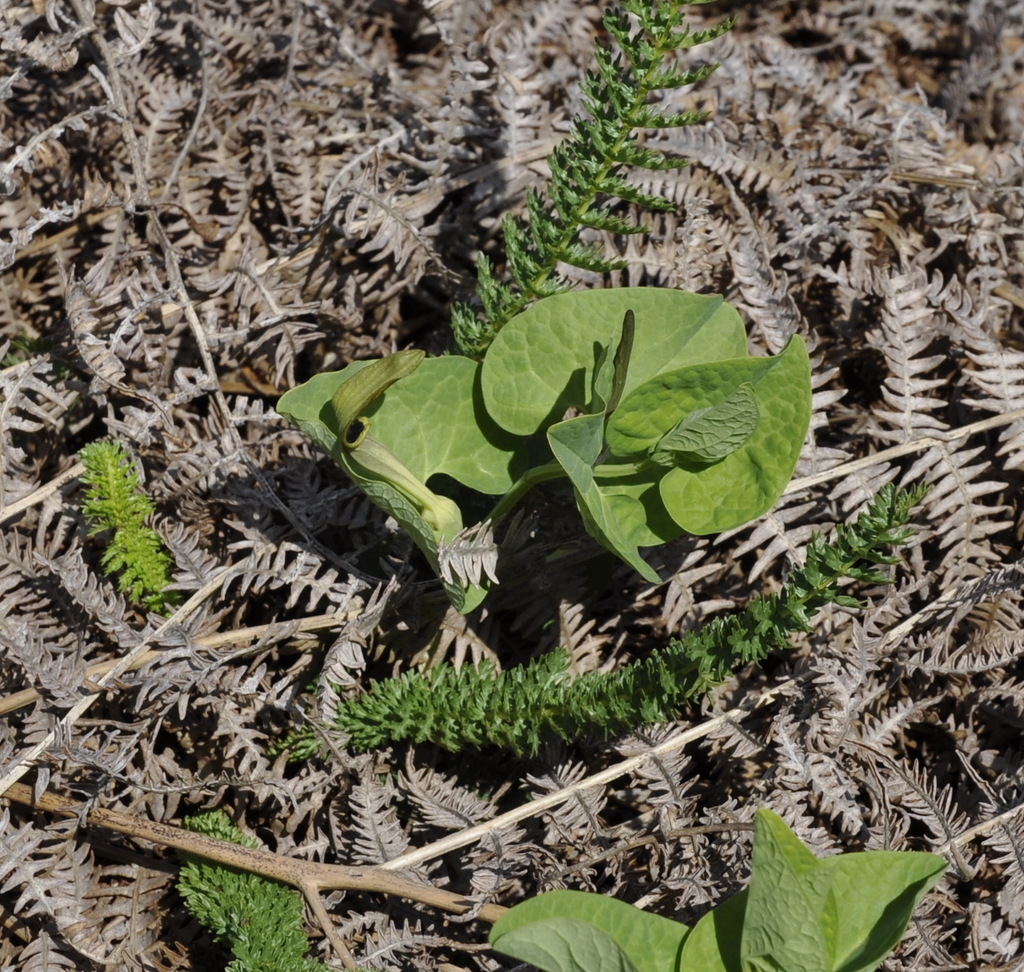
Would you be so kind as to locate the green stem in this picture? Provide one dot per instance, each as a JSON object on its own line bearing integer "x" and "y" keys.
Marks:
{"x": 532, "y": 288}
{"x": 526, "y": 482}
{"x": 552, "y": 470}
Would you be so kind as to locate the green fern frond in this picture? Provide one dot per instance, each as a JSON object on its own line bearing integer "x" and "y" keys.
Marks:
{"x": 519, "y": 708}
{"x": 260, "y": 920}
{"x": 586, "y": 167}
{"x": 114, "y": 501}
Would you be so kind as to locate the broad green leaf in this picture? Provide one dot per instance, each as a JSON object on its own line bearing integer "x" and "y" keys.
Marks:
{"x": 565, "y": 945}
{"x": 576, "y": 444}
{"x": 434, "y": 421}
{"x": 651, "y": 943}
{"x": 714, "y": 943}
{"x": 709, "y": 498}
{"x": 874, "y": 896}
{"x": 309, "y": 407}
{"x": 840, "y": 914}
{"x": 542, "y": 362}
{"x": 710, "y": 434}
{"x": 799, "y": 914}
{"x": 789, "y": 891}
{"x": 636, "y": 504}
{"x": 304, "y": 404}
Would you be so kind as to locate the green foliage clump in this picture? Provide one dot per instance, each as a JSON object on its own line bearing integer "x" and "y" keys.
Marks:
{"x": 586, "y": 167}
{"x": 674, "y": 426}
{"x": 259, "y": 919}
{"x": 841, "y": 914}
{"x": 517, "y": 709}
{"x": 115, "y": 501}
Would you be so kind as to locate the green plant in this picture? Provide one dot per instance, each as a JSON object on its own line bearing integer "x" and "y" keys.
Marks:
{"x": 24, "y": 346}
{"x": 518, "y": 708}
{"x": 115, "y": 501}
{"x": 586, "y": 167}
{"x": 503, "y": 426}
{"x": 799, "y": 914}
{"x": 258, "y": 919}
{"x": 671, "y": 426}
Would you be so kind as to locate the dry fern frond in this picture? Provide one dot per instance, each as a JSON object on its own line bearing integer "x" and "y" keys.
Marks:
{"x": 202, "y": 205}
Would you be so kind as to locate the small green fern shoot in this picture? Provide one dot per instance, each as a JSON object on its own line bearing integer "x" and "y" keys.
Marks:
{"x": 586, "y": 167}
{"x": 115, "y": 501}
{"x": 518, "y": 709}
{"x": 258, "y": 919}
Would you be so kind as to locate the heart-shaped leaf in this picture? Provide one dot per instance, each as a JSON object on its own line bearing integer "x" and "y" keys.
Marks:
{"x": 448, "y": 401}
{"x": 565, "y": 945}
{"x": 710, "y": 434}
{"x": 705, "y": 497}
{"x": 542, "y": 362}
{"x": 577, "y": 444}
{"x": 714, "y": 943}
{"x": 434, "y": 421}
{"x": 648, "y": 942}
{"x": 839, "y": 914}
{"x": 788, "y": 894}
{"x": 874, "y": 894}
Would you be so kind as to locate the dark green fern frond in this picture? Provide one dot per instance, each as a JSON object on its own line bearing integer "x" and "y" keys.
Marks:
{"x": 586, "y": 167}
{"x": 260, "y": 920}
{"x": 519, "y": 708}
{"x": 114, "y": 501}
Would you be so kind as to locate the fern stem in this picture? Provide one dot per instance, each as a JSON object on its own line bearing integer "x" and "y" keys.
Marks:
{"x": 519, "y": 708}
{"x": 586, "y": 167}
{"x": 533, "y": 287}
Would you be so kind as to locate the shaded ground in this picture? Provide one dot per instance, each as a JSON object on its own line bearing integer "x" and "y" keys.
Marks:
{"x": 205, "y": 204}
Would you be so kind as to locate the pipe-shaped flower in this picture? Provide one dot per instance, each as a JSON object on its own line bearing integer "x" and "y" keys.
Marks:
{"x": 368, "y": 460}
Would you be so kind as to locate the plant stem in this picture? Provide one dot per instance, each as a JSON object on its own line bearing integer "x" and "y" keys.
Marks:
{"x": 552, "y": 470}
{"x": 526, "y": 482}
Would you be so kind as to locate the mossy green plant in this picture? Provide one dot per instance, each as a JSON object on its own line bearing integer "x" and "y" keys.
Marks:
{"x": 588, "y": 165}
{"x": 115, "y": 503}
{"x": 259, "y": 920}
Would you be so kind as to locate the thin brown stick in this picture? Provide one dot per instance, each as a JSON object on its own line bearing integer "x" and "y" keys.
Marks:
{"x": 310, "y": 877}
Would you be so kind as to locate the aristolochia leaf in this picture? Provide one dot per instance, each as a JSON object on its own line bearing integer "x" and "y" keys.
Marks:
{"x": 788, "y": 894}
{"x": 542, "y": 362}
{"x": 839, "y": 914}
{"x": 874, "y": 894}
{"x": 710, "y": 434}
{"x": 714, "y": 943}
{"x": 708, "y": 497}
{"x": 568, "y": 919}
{"x": 565, "y": 945}
{"x": 433, "y": 420}
{"x": 439, "y": 433}
{"x": 576, "y": 444}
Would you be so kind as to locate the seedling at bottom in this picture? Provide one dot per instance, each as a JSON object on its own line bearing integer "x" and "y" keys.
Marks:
{"x": 799, "y": 914}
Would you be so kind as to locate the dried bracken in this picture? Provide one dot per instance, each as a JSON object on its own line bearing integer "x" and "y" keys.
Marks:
{"x": 203, "y": 204}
